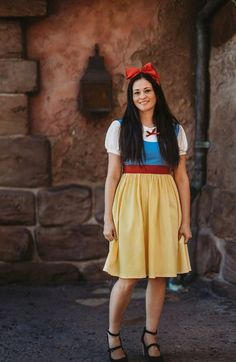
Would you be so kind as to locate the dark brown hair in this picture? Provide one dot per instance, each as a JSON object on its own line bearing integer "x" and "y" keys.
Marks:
{"x": 131, "y": 134}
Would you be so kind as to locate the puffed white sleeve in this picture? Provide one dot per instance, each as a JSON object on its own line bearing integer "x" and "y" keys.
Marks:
{"x": 112, "y": 138}
{"x": 182, "y": 141}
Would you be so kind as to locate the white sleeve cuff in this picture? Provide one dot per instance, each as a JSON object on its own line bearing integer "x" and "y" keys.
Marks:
{"x": 182, "y": 141}
{"x": 112, "y": 138}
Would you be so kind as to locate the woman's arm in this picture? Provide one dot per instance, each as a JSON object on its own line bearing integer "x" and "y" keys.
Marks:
{"x": 112, "y": 180}
{"x": 182, "y": 182}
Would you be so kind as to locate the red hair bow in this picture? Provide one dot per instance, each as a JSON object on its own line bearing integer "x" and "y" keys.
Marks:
{"x": 147, "y": 68}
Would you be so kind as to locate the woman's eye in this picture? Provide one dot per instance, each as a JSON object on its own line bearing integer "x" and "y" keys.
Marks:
{"x": 136, "y": 93}
{"x": 147, "y": 90}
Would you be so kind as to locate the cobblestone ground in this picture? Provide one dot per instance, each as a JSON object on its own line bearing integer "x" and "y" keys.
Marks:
{"x": 68, "y": 323}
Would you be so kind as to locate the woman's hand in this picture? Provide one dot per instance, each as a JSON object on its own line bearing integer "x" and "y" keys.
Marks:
{"x": 185, "y": 231}
{"x": 109, "y": 230}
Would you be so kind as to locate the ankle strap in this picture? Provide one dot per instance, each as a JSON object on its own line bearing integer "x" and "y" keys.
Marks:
{"x": 114, "y": 348}
{"x": 149, "y": 332}
{"x": 113, "y": 334}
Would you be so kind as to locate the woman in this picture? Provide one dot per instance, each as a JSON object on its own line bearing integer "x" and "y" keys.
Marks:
{"x": 147, "y": 206}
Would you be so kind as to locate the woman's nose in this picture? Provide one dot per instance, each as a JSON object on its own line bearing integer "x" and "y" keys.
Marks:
{"x": 142, "y": 95}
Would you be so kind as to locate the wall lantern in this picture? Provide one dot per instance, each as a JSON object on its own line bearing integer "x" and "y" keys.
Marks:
{"x": 96, "y": 87}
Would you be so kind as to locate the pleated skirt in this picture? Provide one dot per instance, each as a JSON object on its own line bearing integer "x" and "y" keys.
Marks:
{"x": 147, "y": 216}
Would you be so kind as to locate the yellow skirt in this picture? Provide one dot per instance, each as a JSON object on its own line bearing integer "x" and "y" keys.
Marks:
{"x": 147, "y": 216}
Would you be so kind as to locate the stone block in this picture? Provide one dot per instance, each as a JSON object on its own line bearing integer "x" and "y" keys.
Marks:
{"x": 71, "y": 243}
{"x": 71, "y": 204}
{"x": 223, "y": 219}
{"x": 17, "y": 207}
{"x": 99, "y": 203}
{"x": 74, "y": 157}
{"x": 10, "y": 39}
{"x": 228, "y": 270}
{"x": 208, "y": 255}
{"x": 14, "y": 114}
{"x": 23, "y": 8}
{"x": 91, "y": 270}
{"x": 15, "y": 244}
{"x": 24, "y": 162}
{"x": 18, "y": 76}
{"x": 32, "y": 272}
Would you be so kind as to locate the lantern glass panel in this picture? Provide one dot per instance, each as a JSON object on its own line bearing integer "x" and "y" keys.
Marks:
{"x": 97, "y": 96}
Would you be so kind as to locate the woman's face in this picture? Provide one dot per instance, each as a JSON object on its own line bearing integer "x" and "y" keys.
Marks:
{"x": 143, "y": 95}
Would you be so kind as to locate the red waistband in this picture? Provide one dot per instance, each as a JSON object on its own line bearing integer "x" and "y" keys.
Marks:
{"x": 158, "y": 169}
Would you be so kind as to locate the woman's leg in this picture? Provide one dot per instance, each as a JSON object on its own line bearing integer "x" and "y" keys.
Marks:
{"x": 119, "y": 300}
{"x": 155, "y": 297}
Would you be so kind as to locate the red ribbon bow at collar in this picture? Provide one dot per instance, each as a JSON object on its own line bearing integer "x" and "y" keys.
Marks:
{"x": 147, "y": 68}
{"x": 153, "y": 132}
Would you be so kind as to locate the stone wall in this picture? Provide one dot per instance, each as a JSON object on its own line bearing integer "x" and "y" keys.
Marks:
{"x": 52, "y": 159}
{"x": 216, "y": 251}
{"x": 46, "y": 233}
{"x": 162, "y": 32}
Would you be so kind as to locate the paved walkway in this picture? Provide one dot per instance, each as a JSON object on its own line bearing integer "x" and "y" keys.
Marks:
{"x": 68, "y": 323}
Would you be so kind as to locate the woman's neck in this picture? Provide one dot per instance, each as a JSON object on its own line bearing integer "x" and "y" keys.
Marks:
{"x": 146, "y": 118}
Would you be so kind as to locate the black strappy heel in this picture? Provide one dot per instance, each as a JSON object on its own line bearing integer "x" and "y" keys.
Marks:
{"x": 110, "y": 350}
{"x": 146, "y": 348}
